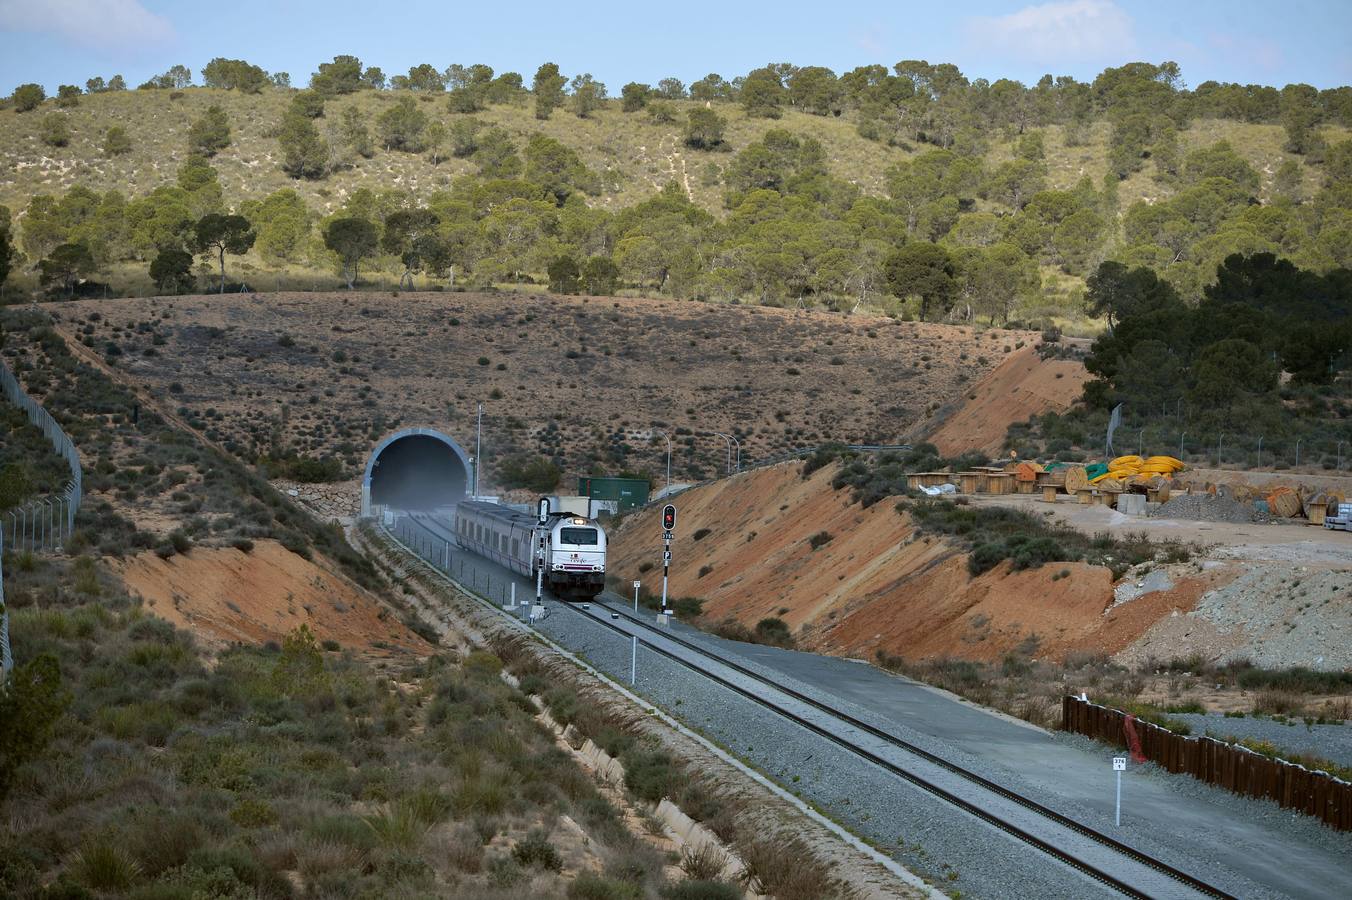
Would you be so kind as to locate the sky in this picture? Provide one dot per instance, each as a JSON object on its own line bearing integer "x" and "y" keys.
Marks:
{"x": 57, "y": 42}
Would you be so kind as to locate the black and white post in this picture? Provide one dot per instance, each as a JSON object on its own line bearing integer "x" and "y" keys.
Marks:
{"x": 540, "y": 556}
{"x": 668, "y": 526}
{"x": 1119, "y": 766}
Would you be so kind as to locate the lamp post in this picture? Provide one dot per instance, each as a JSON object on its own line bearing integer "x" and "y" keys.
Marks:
{"x": 478, "y": 445}
{"x": 1298, "y": 453}
{"x": 732, "y": 440}
{"x": 1180, "y": 444}
{"x": 668, "y": 437}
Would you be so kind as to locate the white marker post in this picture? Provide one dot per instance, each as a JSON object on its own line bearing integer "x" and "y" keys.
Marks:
{"x": 1119, "y": 766}
{"x": 633, "y": 647}
{"x": 540, "y": 561}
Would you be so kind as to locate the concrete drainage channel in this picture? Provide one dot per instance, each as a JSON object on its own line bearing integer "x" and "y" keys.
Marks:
{"x": 981, "y": 837}
{"x": 434, "y": 561}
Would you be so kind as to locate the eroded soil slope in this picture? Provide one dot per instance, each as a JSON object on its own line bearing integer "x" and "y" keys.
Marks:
{"x": 872, "y": 583}
{"x": 1021, "y": 386}
{"x": 225, "y": 595}
{"x": 584, "y": 380}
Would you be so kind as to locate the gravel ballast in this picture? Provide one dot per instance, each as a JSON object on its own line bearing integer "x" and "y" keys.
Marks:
{"x": 1331, "y": 741}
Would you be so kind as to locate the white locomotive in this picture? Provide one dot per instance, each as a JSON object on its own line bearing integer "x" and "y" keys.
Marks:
{"x": 574, "y": 545}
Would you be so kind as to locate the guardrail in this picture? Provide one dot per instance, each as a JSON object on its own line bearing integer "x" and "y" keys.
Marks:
{"x": 1231, "y": 766}
{"x": 44, "y": 523}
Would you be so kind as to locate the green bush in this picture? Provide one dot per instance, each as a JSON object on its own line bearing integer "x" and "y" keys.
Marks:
{"x": 535, "y": 850}
{"x": 651, "y": 774}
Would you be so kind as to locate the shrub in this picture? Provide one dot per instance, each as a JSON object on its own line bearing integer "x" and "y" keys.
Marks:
{"x": 786, "y": 869}
{"x": 651, "y": 775}
{"x": 775, "y": 631}
{"x": 700, "y": 534}
{"x": 588, "y": 886}
{"x": 105, "y": 865}
{"x": 705, "y": 863}
{"x": 819, "y": 539}
{"x": 536, "y": 850}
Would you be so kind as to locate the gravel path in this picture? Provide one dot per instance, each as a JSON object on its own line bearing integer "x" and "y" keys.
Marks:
{"x": 1331, "y": 742}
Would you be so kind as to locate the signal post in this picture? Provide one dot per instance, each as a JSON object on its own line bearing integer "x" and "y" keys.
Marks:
{"x": 668, "y": 527}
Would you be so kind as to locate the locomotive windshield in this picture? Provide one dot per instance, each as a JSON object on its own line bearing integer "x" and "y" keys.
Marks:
{"x": 578, "y": 536}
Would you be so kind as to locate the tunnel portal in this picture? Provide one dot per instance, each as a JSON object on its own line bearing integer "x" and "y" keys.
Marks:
{"x": 416, "y": 469}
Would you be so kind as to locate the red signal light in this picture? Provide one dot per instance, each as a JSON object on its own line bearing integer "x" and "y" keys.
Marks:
{"x": 668, "y": 517}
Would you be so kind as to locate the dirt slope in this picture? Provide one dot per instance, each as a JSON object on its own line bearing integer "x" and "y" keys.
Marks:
{"x": 583, "y": 380}
{"x": 1021, "y": 386}
{"x": 875, "y": 584}
{"x": 225, "y": 595}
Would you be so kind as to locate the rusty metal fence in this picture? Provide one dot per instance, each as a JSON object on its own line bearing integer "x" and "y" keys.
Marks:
{"x": 1231, "y": 766}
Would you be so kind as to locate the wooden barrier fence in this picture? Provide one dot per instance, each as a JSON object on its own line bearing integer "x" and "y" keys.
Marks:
{"x": 1230, "y": 766}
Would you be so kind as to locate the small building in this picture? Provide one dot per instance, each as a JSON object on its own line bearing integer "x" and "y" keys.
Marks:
{"x": 614, "y": 494}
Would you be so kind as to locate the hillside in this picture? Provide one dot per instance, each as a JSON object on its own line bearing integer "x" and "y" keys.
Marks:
{"x": 716, "y": 200}
{"x": 637, "y": 155}
{"x": 581, "y": 381}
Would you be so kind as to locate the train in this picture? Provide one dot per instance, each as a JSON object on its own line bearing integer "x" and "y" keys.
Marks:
{"x": 574, "y": 545}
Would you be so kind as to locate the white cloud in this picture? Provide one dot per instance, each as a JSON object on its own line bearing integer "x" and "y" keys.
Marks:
{"x": 102, "y": 24}
{"x": 1071, "y": 30}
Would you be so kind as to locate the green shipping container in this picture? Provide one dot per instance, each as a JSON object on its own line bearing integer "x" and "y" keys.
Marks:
{"x": 626, "y": 493}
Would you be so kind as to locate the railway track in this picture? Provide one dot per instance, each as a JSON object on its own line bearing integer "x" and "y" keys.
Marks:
{"x": 1113, "y": 863}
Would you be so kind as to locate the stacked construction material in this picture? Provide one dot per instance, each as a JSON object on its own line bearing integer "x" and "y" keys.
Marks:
{"x": 1135, "y": 473}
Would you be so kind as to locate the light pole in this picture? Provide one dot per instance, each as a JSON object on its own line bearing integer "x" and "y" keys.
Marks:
{"x": 1180, "y": 443}
{"x": 730, "y": 439}
{"x": 1260, "y": 452}
{"x": 1297, "y": 453}
{"x": 478, "y": 445}
{"x": 668, "y": 437}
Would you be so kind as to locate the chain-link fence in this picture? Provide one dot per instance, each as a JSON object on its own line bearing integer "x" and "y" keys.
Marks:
{"x": 44, "y": 523}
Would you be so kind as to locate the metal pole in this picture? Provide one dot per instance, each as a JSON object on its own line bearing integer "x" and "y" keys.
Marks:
{"x": 1260, "y": 452}
{"x": 633, "y": 647}
{"x": 666, "y": 566}
{"x": 1140, "y": 443}
{"x": 1181, "y": 436}
{"x": 1340, "y": 455}
{"x": 1118, "y": 816}
{"x": 478, "y": 446}
{"x": 1297, "y": 452}
{"x": 728, "y": 438}
{"x": 1220, "y": 437}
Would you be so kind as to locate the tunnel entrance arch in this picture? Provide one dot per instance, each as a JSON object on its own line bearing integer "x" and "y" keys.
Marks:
{"x": 416, "y": 469}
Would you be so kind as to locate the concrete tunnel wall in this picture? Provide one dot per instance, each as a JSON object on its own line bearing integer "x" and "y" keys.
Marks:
{"x": 416, "y": 468}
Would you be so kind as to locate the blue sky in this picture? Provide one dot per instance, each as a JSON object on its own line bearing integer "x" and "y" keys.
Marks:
{"x": 67, "y": 41}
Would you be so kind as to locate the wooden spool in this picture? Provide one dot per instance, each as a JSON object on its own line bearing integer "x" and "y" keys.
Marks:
{"x": 1076, "y": 480}
{"x": 1049, "y": 493}
{"x": 972, "y": 482}
{"x": 1025, "y": 487}
{"x": 1000, "y": 484}
{"x": 1085, "y": 496}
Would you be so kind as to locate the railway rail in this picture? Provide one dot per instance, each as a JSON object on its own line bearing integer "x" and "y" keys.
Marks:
{"x": 967, "y": 790}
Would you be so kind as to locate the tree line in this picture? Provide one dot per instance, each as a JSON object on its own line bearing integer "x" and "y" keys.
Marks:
{"x": 955, "y": 237}
{"x": 1223, "y": 353}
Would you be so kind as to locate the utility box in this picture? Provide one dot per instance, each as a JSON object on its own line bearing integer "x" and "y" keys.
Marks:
{"x": 578, "y": 506}
{"x": 625, "y": 493}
